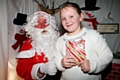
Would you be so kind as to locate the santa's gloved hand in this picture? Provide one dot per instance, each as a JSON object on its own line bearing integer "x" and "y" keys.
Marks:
{"x": 48, "y": 68}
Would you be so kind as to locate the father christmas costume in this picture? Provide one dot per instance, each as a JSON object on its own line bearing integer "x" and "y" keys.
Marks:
{"x": 36, "y": 56}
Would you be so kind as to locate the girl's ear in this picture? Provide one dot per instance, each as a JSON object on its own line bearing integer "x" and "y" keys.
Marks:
{"x": 81, "y": 17}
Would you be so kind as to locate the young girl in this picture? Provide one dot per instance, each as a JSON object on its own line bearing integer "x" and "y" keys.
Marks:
{"x": 81, "y": 53}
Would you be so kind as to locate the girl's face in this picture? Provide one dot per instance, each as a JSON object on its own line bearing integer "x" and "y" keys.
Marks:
{"x": 71, "y": 20}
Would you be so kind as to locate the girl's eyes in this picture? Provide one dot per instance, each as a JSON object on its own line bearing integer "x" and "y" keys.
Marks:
{"x": 69, "y": 17}
{"x": 63, "y": 18}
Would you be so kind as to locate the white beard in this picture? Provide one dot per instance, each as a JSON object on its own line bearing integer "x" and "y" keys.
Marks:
{"x": 42, "y": 42}
{"x": 45, "y": 42}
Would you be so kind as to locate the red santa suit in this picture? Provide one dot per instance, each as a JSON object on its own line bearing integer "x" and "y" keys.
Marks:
{"x": 38, "y": 49}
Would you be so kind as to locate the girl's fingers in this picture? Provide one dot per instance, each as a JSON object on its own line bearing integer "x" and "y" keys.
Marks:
{"x": 68, "y": 61}
{"x": 85, "y": 66}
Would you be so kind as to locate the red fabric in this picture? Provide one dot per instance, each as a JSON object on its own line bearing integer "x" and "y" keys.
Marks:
{"x": 25, "y": 65}
{"x": 26, "y": 45}
{"x": 19, "y": 40}
{"x": 24, "y": 68}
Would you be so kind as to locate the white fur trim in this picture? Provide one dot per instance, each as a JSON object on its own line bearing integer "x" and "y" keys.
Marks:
{"x": 26, "y": 54}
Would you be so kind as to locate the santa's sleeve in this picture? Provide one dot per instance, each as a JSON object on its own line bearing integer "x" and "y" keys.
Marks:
{"x": 26, "y": 66}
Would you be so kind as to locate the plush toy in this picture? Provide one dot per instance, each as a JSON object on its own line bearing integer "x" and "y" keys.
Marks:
{"x": 20, "y": 36}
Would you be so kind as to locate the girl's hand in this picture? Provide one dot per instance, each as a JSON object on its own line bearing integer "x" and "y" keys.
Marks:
{"x": 68, "y": 61}
{"x": 85, "y": 65}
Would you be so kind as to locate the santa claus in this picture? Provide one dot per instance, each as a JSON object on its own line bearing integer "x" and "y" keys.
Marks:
{"x": 36, "y": 56}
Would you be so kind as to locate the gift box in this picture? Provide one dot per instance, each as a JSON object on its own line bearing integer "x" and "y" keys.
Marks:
{"x": 76, "y": 49}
